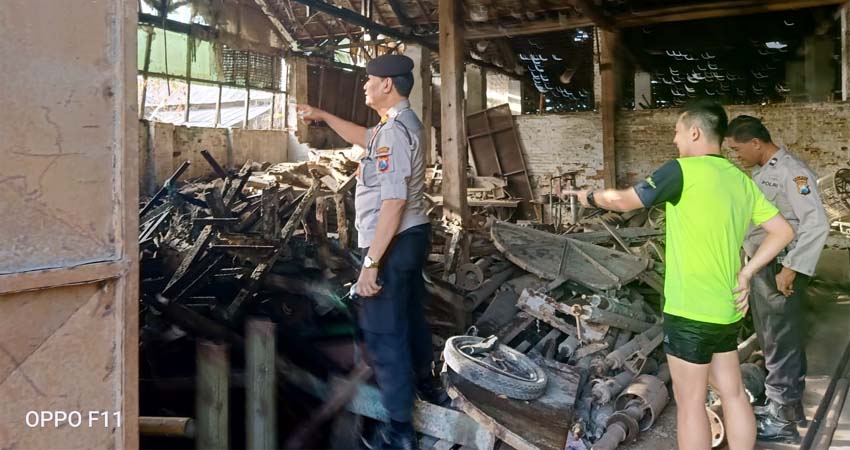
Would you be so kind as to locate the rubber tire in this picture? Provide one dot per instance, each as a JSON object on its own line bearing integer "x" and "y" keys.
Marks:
{"x": 471, "y": 370}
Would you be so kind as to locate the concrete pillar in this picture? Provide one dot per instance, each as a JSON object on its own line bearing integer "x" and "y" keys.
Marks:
{"x": 476, "y": 88}
{"x": 845, "y": 52}
{"x": 515, "y": 96}
{"x": 818, "y": 59}
{"x": 643, "y": 89}
{"x": 420, "y": 98}
{"x": 298, "y": 84}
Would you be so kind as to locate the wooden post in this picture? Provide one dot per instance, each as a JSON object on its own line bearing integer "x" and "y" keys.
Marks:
{"x": 261, "y": 386}
{"x": 269, "y": 205}
{"x": 322, "y": 216}
{"x": 455, "y": 207}
{"x": 218, "y": 107}
{"x": 476, "y": 88}
{"x": 299, "y": 83}
{"x": 845, "y": 52}
{"x": 420, "y": 97}
{"x": 341, "y": 220}
{"x": 145, "y": 69}
{"x": 211, "y": 398}
{"x": 607, "y": 69}
{"x": 190, "y": 44}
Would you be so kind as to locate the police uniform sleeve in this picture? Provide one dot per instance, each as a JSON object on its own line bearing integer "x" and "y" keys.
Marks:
{"x": 393, "y": 162}
{"x": 664, "y": 185}
{"x": 763, "y": 210}
{"x": 813, "y": 227}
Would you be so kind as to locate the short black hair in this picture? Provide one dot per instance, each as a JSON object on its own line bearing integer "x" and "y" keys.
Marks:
{"x": 746, "y": 128}
{"x": 710, "y": 115}
{"x": 403, "y": 84}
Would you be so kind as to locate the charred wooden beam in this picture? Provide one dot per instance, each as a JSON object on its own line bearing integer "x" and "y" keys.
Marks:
{"x": 169, "y": 183}
{"x": 337, "y": 400}
{"x": 263, "y": 268}
{"x": 398, "y": 10}
{"x": 708, "y": 10}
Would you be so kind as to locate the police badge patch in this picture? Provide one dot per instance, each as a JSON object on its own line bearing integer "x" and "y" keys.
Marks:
{"x": 803, "y": 185}
{"x": 383, "y": 163}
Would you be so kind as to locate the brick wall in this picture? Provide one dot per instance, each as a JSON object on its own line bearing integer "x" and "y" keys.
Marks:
{"x": 817, "y": 132}
{"x": 163, "y": 147}
{"x": 553, "y": 144}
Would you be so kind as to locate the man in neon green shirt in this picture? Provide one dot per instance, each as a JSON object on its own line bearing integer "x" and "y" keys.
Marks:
{"x": 710, "y": 204}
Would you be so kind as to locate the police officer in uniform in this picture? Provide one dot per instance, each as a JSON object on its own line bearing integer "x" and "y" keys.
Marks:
{"x": 394, "y": 235}
{"x": 778, "y": 290}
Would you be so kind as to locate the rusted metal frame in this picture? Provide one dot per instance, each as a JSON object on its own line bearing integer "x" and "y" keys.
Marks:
{"x": 261, "y": 388}
{"x": 191, "y": 256}
{"x": 260, "y": 271}
{"x": 336, "y": 401}
{"x": 545, "y": 308}
{"x": 213, "y": 393}
{"x": 165, "y": 188}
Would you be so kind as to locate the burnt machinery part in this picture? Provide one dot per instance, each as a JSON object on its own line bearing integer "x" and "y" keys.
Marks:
{"x": 715, "y": 419}
{"x": 652, "y": 392}
{"x": 502, "y": 370}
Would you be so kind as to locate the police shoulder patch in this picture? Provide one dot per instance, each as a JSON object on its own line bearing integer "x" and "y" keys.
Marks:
{"x": 383, "y": 163}
{"x": 803, "y": 185}
{"x": 383, "y": 151}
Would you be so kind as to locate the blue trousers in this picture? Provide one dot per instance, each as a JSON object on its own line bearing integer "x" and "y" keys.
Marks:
{"x": 393, "y": 323}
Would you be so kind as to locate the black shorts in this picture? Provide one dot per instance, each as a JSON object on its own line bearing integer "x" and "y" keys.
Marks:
{"x": 695, "y": 341}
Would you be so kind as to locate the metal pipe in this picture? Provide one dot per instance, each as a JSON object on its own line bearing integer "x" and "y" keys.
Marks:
{"x": 617, "y": 358}
{"x": 475, "y": 298}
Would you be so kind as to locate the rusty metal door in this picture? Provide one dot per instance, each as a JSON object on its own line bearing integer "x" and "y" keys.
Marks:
{"x": 497, "y": 152}
{"x": 68, "y": 225}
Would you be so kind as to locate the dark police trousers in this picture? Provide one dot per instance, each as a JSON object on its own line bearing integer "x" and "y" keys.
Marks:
{"x": 780, "y": 322}
{"x": 393, "y": 322}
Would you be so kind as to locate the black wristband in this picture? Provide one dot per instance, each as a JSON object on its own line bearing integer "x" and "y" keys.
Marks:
{"x": 590, "y": 200}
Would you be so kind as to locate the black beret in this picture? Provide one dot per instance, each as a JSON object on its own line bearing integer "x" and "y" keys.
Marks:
{"x": 389, "y": 66}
